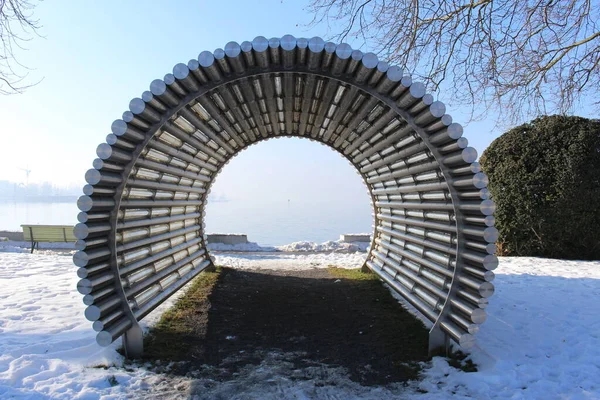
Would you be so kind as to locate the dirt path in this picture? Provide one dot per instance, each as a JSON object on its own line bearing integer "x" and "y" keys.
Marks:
{"x": 315, "y": 316}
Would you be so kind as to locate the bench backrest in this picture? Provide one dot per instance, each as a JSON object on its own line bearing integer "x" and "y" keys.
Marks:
{"x": 48, "y": 233}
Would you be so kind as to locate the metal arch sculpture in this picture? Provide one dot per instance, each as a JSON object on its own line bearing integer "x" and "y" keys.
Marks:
{"x": 141, "y": 231}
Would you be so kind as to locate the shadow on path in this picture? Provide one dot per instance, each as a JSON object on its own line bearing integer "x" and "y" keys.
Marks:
{"x": 317, "y": 316}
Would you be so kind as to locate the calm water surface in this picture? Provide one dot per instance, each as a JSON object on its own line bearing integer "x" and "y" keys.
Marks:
{"x": 267, "y": 223}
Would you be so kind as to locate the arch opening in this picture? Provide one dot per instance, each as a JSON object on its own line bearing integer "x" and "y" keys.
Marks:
{"x": 289, "y": 192}
{"x": 141, "y": 231}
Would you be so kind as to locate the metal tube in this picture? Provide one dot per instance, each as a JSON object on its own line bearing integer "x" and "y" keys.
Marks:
{"x": 371, "y": 131}
{"x": 415, "y": 222}
{"x": 107, "y": 320}
{"x": 159, "y": 203}
{"x": 89, "y": 270}
{"x": 415, "y": 257}
{"x": 194, "y": 67}
{"x": 393, "y": 137}
{"x": 140, "y": 183}
{"x": 186, "y": 78}
{"x": 186, "y": 138}
{"x": 143, "y": 109}
{"x": 463, "y": 339}
{"x": 477, "y": 181}
{"x": 260, "y": 45}
{"x": 156, "y": 221}
{"x": 133, "y": 119}
{"x": 116, "y": 329}
{"x": 93, "y": 217}
{"x": 489, "y": 248}
{"x": 85, "y": 257}
{"x": 144, "y": 284}
{"x": 476, "y": 315}
{"x": 421, "y": 280}
{"x": 403, "y": 153}
{"x": 481, "y": 302}
{"x": 418, "y": 240}
{"x": 90, "y": 190}
{"x": 247, "y": 54}
{"x": 107, "y": 152}
{"x": 152, "y": 304}
{"x": 433, "y": 112}
{"x": 448, "y": 134}
{"x": 233, "y": 51}
{"x": 122, "y": 129}
{"x": 83, "y": 244}
{"x": 107, "y": 165}
{"x": 414, "y": 93}
{"x": 95, "y": 177}
{"x": 418, "y": 304}
{"x": 172, "y": 84}
{"x": 163, "y": 93}
{"x": 483, "y": 288}
{"x": 98, "y": 295}
{"x": 87, "y": 286}
{"x": 221, "y": 61}
{"x": 82, "y": 231}
{"x": 126, "y": 269}
{"x": 116, "y": 141}
{"x": 182, "y": 155}
{"x": 157, "y": 238}
{"x": 192, "y": 117}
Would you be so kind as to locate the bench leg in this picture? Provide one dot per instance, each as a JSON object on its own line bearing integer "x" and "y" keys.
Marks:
{"x": 33, "y": 246}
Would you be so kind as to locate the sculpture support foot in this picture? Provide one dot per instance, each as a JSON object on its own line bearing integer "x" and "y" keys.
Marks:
{"x": 133, "y": 342}
{"x": 365, "y": 269}
{"x": 439, "y": 344}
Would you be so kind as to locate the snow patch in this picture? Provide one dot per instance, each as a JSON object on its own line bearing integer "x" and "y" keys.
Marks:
{"x": 338, "y": 246}
{"x": 540, "y": 341}
{"x": 290, "y": 261}
{"x": 247, "y": 247}
{"x": 13, "y": 246}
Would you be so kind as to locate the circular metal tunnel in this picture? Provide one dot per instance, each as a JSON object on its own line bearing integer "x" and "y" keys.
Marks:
{"x": 141, "y": 231}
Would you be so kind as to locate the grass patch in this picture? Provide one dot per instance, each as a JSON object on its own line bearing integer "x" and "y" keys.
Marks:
{"x": 372, "y": 288}
{"x": 354, "y": 274}
{"x": 183, "y": 323}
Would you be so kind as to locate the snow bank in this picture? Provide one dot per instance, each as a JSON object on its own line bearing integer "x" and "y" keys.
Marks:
{"x": 247, "y": 247}
{"x": 13, "y": 246}
{"x": 290, "y": 261}
{"x": 338, "y": 246}
{"x": 541, "y": 340}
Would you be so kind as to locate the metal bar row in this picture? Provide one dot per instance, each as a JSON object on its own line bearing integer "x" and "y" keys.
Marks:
{"x": 141, "y": 230}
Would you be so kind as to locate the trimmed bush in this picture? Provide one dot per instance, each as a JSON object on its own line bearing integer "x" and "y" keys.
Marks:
{"x": 545, "y": 180}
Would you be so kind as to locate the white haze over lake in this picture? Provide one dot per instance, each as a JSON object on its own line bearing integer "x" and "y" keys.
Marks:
{"x": 274, "y": 195}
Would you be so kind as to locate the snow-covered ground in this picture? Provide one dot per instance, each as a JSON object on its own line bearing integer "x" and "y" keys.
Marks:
{"x": 541, "y": 340}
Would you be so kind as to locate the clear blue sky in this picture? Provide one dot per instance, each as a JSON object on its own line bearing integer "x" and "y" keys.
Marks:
{"x": 95, "y": 56}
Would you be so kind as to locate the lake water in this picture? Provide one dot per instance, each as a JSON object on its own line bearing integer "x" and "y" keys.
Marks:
{"x": 267, "y": 223}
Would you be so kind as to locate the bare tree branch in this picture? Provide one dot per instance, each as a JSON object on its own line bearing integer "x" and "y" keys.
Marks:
{"x": 16, "y": 28}
{"x": 523, "y": 58}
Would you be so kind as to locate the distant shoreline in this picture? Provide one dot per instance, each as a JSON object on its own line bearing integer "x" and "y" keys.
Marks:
{"x": 40, "y": 199}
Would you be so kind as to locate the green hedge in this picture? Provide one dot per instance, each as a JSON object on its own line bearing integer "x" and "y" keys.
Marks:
{"x": 545, "y": 180}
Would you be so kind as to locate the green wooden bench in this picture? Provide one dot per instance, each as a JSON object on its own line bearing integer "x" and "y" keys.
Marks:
{"x": 48, "y": 234}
